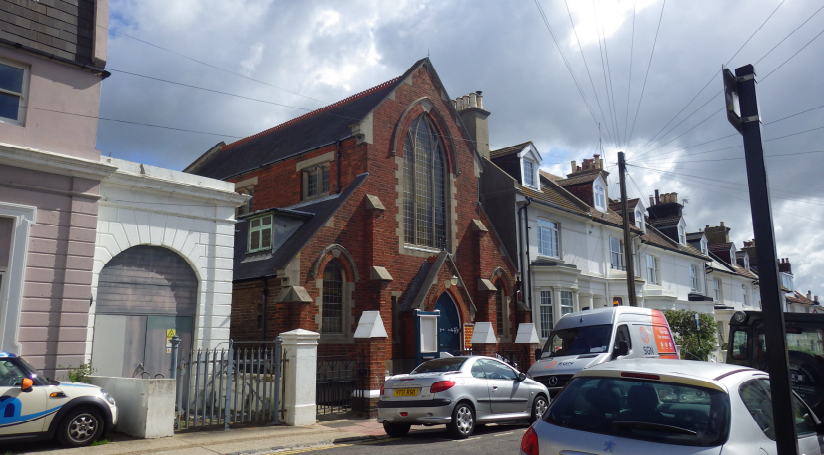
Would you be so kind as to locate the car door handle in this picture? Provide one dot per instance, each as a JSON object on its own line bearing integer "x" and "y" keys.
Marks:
{"x": 494, "y": 387}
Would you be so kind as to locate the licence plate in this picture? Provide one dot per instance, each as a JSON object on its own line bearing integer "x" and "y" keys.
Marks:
{"x": 406, "y": 392}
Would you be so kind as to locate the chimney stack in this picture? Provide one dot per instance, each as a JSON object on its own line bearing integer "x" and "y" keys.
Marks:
{"x": 809, "y": 295}
{"x": 719, "y": 234}
{"x": 475, "y": 119}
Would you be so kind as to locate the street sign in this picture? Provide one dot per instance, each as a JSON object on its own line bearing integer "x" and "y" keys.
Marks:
{"x": 697, "y": 322}
{"x": 731, "y": 99}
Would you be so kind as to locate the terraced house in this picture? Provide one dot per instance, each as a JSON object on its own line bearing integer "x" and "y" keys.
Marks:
{"x": 370, "y": 203}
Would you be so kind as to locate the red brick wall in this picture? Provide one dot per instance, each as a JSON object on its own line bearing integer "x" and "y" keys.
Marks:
{"x": 371, "y": 236}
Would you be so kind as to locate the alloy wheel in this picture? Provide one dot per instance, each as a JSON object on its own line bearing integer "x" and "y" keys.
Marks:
{"x": 82, "y": 428}
{"x": 464, "y": 419}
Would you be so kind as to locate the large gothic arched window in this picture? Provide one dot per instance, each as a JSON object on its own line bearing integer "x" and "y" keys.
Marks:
{"x": 424, "y": 186}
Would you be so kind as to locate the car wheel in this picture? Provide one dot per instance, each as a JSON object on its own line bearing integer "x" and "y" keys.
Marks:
{"x": 396, "y": 430}
{"x": 463, "y": 421}
{"x": 80, "y": 428}
{"x": 539, "y": 407}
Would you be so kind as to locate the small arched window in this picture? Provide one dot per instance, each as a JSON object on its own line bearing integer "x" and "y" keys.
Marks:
{"x": 332, "y": 309}
{"x": 639, "y": 219}
{"x": 500, "y": 310}
{"x": 424, "y": 186}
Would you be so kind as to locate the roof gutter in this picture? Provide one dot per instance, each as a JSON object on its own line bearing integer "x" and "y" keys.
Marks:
{"x": 100, "y": 71}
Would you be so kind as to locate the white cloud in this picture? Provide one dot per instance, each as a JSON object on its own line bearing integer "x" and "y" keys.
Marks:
{"x": 251, "y": 62}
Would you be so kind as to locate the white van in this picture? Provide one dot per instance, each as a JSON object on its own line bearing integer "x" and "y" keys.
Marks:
{"x": 586, "y": 338}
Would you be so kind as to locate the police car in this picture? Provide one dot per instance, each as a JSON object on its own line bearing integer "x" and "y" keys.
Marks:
{"x": 33, "y": 407}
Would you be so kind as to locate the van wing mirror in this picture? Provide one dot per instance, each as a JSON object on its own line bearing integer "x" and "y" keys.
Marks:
{"x": 538, "y": 354}
{"x": 621, "y": 348}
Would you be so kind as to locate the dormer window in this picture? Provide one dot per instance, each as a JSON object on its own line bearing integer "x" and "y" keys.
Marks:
{"x": 704, "y": 248}
{"x": 260, "y": 234}
{"x": 747, "y": 262}
{"x": 639, "y": 219}
{"x": 529, "y": 173}
{"x": 600, "y": 197}
{"x": 682, "y": 237}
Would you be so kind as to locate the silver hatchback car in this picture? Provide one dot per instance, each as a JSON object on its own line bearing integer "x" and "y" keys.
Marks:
{"x": 674, "y": 407}
{"x": 461, "y": 392}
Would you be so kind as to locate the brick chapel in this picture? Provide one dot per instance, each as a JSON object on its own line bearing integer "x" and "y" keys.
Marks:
{"x": 370, "y": 203}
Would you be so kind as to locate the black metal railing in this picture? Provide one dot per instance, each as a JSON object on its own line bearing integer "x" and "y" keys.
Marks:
{"x": 340, "y": 378}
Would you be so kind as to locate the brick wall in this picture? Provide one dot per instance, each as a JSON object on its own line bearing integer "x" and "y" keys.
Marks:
{"x": 371, "y": 237}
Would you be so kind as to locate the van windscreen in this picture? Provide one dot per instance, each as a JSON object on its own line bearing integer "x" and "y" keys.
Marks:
{"x": 579, "y": 340}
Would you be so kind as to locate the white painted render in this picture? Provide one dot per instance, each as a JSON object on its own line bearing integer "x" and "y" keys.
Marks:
{"x": 191, "y": 215}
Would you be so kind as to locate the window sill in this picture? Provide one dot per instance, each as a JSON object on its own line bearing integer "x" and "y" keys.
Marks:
{"x": 421, "y": 248}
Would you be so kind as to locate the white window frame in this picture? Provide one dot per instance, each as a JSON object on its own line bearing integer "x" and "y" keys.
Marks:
{"x": 545, "y": 318}
{"x": 599, "y": 196}
{"x": 639, "y": 220}
{"x": 704, "y": 247}
{"x": 567, "y": 302}
{"x": 744, "y": 295}
{"x": 528, "y": 172}
{"x": 695, "y": 280}
{"x": 616, "y": 258}
{"x": 716, "y": 289}
{"x": 653, "y": 270}
{"x": 321, "y": 188}
{"x": 23, "y": 95}
{"x": 682, "y": 236}
{"x": 260, "y": 228}
{"x": 549, "y": 233}
{"x": 747, "y": 262}
{"x": 787, "y": 278}
{"x": 11, "y": 291}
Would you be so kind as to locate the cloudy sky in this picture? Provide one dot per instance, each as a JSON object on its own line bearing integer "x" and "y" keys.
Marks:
{"x": 282, "y": 58}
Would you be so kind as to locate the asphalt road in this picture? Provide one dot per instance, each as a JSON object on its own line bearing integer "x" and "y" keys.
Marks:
{"x": 503, "y": 439}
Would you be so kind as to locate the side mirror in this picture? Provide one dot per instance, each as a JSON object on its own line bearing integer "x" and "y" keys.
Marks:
{"x": 27, "y": 383}
{"x": 538, "y": 354}
{"x": 621, "y": 348}
{"x": 521, "y": 377}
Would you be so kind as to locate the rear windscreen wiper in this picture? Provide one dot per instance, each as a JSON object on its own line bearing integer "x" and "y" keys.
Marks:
{"x": 638, "y": 425}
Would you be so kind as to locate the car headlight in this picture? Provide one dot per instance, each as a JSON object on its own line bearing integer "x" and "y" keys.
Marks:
{"x": 105, "y": 395}
{"x": 739, "y": 317}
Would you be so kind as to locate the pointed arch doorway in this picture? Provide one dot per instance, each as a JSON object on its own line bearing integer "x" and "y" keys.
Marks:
{"x": 449, "y": 325}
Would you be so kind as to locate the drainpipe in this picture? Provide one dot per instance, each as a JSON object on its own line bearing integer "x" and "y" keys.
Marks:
{"x": 263, "y": 311}
{"x": 340, "y": 161}
{"x": 527, "y": 292}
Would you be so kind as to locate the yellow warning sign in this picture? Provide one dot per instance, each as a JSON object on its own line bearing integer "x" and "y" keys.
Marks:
{"x": 169, "y": 334}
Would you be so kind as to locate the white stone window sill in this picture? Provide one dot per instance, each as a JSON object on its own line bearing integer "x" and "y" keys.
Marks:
{"x": 420, "y": 248}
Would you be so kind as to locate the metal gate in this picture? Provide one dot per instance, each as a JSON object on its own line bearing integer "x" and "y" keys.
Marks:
{"x": 228, "y": 386}
{"x": 340, "y": 378}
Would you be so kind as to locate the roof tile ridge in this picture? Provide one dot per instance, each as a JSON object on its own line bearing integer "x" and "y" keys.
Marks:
{"x": 303, "y": 117}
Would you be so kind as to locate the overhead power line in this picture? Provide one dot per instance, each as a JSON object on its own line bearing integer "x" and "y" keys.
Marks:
{"x": 644, "y": 86}
{"x": 714, "y": 74}
{"x": 566, "y": 62}
{"x": 207, "y": 64}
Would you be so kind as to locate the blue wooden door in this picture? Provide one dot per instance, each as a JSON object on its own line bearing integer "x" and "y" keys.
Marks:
{"x": 449, "y": 326}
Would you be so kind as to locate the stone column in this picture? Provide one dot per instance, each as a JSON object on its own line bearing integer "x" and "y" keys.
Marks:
{"x": 370, "y": 341}
{"x": 483, "y": 339}
{"x": 300, "y": 349}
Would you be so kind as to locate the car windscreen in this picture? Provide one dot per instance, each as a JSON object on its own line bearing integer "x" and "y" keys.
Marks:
{"x": 35, "y": 375}
{"x": 579, "y": 340}
{"x": 668, "y": 413}
{"x": 440, "y": 365}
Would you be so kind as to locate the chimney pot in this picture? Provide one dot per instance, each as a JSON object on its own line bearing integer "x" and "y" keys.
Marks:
{"x": 574, "y": 166}
{"x": 722, "y": 223}
{"x": 809, "y": 295}
{"x": 466, "y": 101}
{"x": 455, "y": 104}
{"x": 473, "y": 100}
{"x": 651, "y": 201}
{"x": 480, "y": 100}
{"x": 458, "y": 103}
{"x": 657, "y": 197}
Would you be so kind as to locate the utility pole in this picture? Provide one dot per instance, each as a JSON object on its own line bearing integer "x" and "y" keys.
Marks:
{"x": 742, "y": 112}
{"x": 630, "y": 264}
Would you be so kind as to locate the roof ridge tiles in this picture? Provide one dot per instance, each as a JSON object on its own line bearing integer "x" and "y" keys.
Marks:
{"x": 307, "y": 115}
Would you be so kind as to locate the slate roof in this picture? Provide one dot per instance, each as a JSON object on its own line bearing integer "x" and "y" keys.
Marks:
{"x": 734, "y": 269}
{"x": 580, "y": 178}
{"x": 316, "y": 216}
{"x": 554, "y": 197}
{"x": 797, "y": 297}
{"x": 508, "y": 150}
{"x": 654, "y": 237}
{"x": 667, "y": 221}
{"x": 695, "y": 235}
{"x": 550, "y": 177}
{"x": 720, "y": 246}
{"x": 616, "y": 206}
{"x": 310, "y": 131}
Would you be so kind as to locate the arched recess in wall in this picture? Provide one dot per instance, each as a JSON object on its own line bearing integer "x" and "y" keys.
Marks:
{"x": 335, "y": 251}
{"x": 145, "y": 294}
{"x": 413, "y": 111}
{"x": 503, "y": 303}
